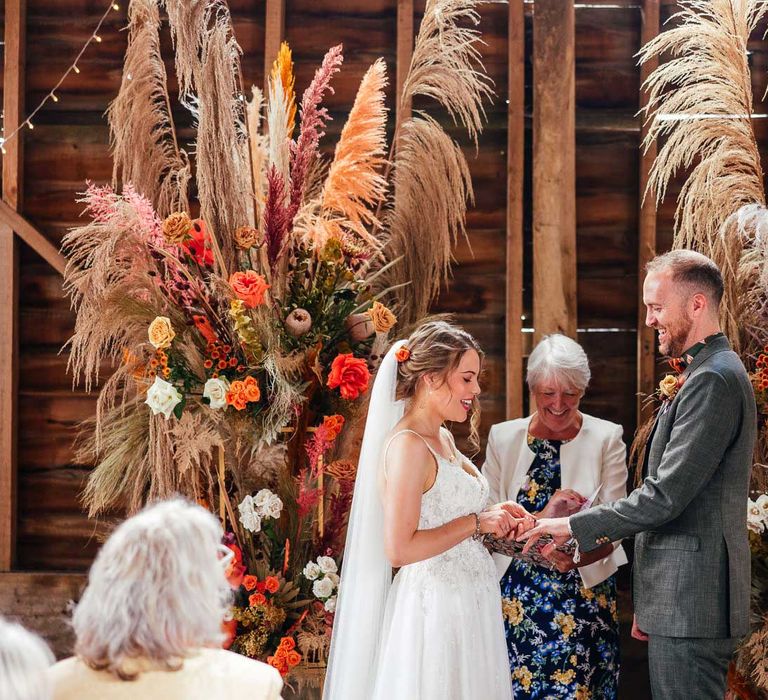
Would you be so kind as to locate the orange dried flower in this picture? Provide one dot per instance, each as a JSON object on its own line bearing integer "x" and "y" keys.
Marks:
{"x": 250, "y": 582}
{"x": 233, "y": 362}
{"x": 350, "y": 375}
{"x": 208, "y": 364}
{"x": 246, "y": 237}
{"x": 272, "y": 584}
{"x": 222, "y": 364}
{"x": 250, "y": 287}
{"x": 293, "y": 658}
{"x": 176, "y": 227}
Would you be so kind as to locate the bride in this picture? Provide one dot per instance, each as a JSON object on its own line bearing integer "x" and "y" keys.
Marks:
{"x": 419, "y": 505}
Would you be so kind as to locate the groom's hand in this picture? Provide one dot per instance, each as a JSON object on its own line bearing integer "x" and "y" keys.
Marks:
{"x": 557, "y": 527}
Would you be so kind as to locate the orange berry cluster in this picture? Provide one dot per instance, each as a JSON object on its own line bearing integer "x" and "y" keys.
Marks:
{"x": 761, "y": 376}
{"x": 286, "y": 656}
{"x": 220, "y": 358}
{"x": 159, "y": 364}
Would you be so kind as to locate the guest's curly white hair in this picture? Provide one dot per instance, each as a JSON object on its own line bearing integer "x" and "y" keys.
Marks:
{"x": 23, "y": 660}
{"x": 560, "y": 359}
{"x": 156, "y": 591}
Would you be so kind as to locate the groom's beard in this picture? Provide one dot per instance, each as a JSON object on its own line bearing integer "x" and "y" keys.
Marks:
{"x": 677, "y": 337}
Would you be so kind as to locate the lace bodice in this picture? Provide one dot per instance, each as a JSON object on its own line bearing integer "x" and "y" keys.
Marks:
{"x": 454, "y": 494}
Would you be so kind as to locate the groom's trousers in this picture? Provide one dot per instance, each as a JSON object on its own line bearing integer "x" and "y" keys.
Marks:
{"x": 682, "y": 668}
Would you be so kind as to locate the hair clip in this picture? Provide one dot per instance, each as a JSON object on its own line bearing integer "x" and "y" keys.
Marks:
{"x": 402, "y": 354}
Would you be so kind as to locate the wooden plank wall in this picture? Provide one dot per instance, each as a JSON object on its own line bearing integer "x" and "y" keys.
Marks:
{"x": 69, "y": 144}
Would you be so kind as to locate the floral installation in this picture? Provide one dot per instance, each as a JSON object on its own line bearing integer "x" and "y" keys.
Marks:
{"x": 244, "y": 328}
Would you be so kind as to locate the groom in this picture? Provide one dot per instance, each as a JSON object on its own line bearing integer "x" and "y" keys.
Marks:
{"x": 691, "y": 578}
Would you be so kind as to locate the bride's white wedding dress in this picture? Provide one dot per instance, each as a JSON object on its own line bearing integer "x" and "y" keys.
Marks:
{"x": 435, "y": 632}
{"x": 443, "y": 635}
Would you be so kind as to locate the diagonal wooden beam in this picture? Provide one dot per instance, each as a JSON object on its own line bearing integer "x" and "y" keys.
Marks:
{"x": 13, "y": 106}
{"x": 646, "y": 353}
{"x": 515, "y": 175}
{"x": 25, "y": 230}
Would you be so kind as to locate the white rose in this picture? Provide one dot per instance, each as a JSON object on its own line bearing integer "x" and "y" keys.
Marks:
{"x": 215, "y": 391}
{"x": 330, "y": 605}
{"x": 327, "y": 565}
{"x": 755, "y": 520}
{"x": 273, "y": 507}
{"x": 163, "y": 397}
{"x": 334, "y": 578}
{"x": 250, "y": 519}
{"x": 312, "y": 571}
{"x": 323, "y": 588}
{"x": 262, "y": 498}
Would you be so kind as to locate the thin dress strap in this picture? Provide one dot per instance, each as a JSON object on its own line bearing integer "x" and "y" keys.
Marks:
{"x": 401, "y": 432}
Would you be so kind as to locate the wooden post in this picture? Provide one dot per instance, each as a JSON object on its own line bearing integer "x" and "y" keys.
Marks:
{"x": 646, "y": 342}
{"x": 554, "y": 169}
{"x": 404, "y": 54}
{"x": 13, "y": 106}
{"x": 274, "y": 33}
{"x": 515, "y": 176}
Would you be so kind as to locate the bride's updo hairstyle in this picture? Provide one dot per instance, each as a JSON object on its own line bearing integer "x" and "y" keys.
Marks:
{"x": 436, "y": 348}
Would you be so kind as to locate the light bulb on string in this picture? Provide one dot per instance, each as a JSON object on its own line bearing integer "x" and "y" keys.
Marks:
{"x": 30, "y": 125}
{"x": 54, "y": 97}
{"x": 75, "y": 68}
{"x": 115, "y": 6}
{"x": 97, "y": 38}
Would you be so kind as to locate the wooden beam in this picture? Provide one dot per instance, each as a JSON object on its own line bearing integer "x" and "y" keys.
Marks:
{"x": 274, "y": 33}
{"x": 404, "y": 54}
{"x": 554, "y": 169}
{"x": 646, "y": 341}
{"x": 13, "y": 106}
{"x": 515, "y": 176}
{"x": 25, "y": 230}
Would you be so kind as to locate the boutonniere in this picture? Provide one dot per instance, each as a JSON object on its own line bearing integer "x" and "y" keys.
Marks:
{"x": 669, "y": 386}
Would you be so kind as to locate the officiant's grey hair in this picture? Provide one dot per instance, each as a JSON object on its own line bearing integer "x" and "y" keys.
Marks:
{"x": 560, "y": 359}
{"x": 156, "y": 591}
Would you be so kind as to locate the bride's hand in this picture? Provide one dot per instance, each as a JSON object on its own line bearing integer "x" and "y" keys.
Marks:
{"x": 496, "y": 522}
{"x": 524, "y": 521}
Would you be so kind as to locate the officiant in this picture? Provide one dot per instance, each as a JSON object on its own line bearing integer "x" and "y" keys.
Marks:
{"x": 561, "y": 624}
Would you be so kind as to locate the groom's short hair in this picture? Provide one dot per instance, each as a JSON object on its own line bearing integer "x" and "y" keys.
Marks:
{"x": 694, "y": 270}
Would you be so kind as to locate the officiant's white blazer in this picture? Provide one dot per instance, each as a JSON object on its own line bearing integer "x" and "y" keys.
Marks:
{"x": 597, "y": 455}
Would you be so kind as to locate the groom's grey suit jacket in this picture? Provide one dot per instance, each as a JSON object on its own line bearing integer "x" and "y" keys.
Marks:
{"x": 691, "y": 573}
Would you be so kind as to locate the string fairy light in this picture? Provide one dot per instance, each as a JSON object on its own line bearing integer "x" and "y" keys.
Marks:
{"x": 73, "y": 68}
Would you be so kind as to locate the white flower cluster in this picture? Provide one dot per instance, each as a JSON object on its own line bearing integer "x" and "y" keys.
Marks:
{"x": 324, "y": 573}
{"x": 215, "y": 390}
{"x": 757, "y": 514}
{"x": 253, "y": 509}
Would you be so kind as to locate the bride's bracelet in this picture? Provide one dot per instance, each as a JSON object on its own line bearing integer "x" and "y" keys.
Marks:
{"x": 477, "y": 534}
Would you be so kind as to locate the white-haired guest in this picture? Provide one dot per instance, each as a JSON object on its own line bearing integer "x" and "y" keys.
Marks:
{"x": 24, "y": 657}
{"x": 149, "y": 622}
{"x": 561, "y": 626}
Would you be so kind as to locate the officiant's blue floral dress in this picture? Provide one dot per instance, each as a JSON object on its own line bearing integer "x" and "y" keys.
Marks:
{"x": 562, "y": 638}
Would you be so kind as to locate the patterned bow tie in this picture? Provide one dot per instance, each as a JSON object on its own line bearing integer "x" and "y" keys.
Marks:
{"x": 678, "y": 364}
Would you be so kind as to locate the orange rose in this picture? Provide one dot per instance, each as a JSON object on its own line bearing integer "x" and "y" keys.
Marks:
{"x": 350, "y": 374}
{"x": 272, "y": 584}
{"x": 333, "y": 425}
{"x": 403, "y": 354}
{"x": 250, "y": 582}
{"x": 250, "y": 287}
{"x": 236, "y": 395}
{"x": 257, "y": 599}
{"x": 293, "y": 658}
{"x": 251, "y": 388}
{"x": 286, "y": 644}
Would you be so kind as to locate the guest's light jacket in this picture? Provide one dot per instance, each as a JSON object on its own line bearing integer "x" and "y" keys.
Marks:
{"x": 597, "y": 455}
{"x": 691, "y": 575}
